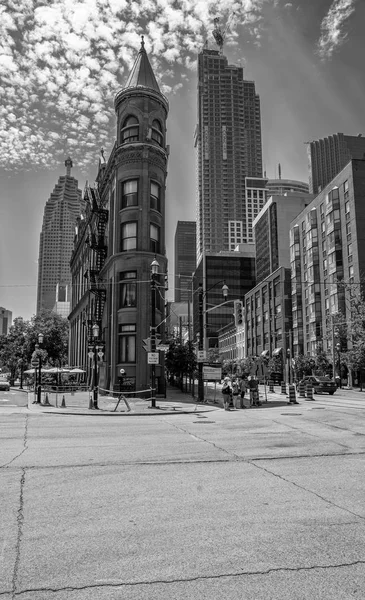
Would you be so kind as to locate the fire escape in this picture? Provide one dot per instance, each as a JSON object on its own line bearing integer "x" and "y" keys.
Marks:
{"x": 98, "y": 252}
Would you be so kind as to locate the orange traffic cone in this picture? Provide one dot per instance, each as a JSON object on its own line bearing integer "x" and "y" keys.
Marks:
{"x": 46, "y": 401}
{"x": 63, "y": 403}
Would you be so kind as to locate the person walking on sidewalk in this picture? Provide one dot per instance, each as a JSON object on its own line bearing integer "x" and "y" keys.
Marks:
{"x": 227, "y": 393}
{"x": 235, "y": 392}
{"x": 254, "y": 391}
{"x": 243, "y": 389}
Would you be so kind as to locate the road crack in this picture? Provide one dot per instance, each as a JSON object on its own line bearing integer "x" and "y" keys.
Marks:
{"x": 240, "y": 573}
{"x": 20, "y": 522}
{"x": 302, "y": 487}
{"x": 25, "y": 445}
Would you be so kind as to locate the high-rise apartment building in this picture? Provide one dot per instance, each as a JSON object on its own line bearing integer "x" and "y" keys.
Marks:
{"x": 328, "y": 156}
{"x": 5, "y": 320}
{"x": 62, "y": 209}
{"x": 185, "y": 259}
{"x": 327, "y": 248}
{"x": 271, "y": 228}
{"x": 228, "y": 143}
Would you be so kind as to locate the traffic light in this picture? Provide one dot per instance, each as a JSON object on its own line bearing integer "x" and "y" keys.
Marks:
{"x": 238, "y": 313}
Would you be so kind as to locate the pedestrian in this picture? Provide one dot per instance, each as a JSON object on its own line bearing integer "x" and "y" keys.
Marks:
{"x": 227, "y": 392}
{"x": 243, "y": 389}
{"x": 235, "y": 392}
{"x": 254, "y": 391}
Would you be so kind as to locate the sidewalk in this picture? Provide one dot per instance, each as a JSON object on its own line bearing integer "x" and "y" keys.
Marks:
{"x": 176, "y": 402}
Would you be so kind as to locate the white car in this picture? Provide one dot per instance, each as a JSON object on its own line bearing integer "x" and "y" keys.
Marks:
{"x": 4, "y": 385}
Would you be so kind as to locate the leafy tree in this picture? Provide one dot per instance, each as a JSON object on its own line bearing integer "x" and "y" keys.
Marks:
{"x": 17, "y": 347}
{"x": 322, "y": 364}
{"x": 303, "y": 365}
{"x": 180, "y": 359}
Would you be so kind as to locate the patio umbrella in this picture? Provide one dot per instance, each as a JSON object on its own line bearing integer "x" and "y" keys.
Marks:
{"x": 57, "y": 370}
{"x": 29, "y": 372}
{"x": 77, "y": 370}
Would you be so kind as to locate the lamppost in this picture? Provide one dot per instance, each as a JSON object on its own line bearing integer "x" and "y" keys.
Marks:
{"x": 338, "y": 348}
{"x": 39, "y": 388}
{"x": 201, "y": 332}
{"x": 95, "y": 333}
{"x": 154, "y": 272}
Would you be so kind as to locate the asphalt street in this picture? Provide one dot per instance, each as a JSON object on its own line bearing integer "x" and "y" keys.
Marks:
{"x": 248, "y": 504}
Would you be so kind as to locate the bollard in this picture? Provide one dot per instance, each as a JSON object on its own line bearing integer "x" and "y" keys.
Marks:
{"x": 309, "y": 391}
{"x": 46, "y": 400}
{"x": 301, "y": 389}
{"x": 283, "y": 387}
{"x": 63, "y": 403}
{"x": 271, "y": 386}
{"x": 292, "y": 396}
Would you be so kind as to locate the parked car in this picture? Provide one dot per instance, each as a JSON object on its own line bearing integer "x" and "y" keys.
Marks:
{"x": 320, "y": 384}
{"x": 4, "y": 385}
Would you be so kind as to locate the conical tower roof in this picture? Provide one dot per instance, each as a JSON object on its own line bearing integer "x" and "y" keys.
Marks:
{"x": 142, "y": 73}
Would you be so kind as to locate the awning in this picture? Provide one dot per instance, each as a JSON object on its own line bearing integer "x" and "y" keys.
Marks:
{"x": 265, "y": 353}
{"x": 277, "y": 351}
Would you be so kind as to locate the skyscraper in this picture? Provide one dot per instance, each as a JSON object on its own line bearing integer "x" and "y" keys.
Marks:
{"x": 185, "y": 259}
{"x": 56, "y": 238}
{"x": 328, "y": 156}
{"x": 228, "y": 142}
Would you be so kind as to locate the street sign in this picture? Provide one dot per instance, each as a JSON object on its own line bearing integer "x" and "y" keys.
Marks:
{"x": 163, "y": 347}
{"x": 35, "y": 362}
{"x": 212, "y": 373}
{"x": 200, "y": 355}
{"x": 91, "y": 354}
{"x": 153, "y": 358}
{"x": 100, "y": 354}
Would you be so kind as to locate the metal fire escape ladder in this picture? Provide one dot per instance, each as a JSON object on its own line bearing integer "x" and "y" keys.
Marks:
{"x": 98, "y": 245}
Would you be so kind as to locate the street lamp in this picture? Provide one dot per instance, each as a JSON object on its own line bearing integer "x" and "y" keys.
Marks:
{"x": 154, "y": 272}
{"x": 39, "y": 389}
{"x": 338, "y": 348}
{"x": 201, "y": 333}
{"x": 95, "y": 334}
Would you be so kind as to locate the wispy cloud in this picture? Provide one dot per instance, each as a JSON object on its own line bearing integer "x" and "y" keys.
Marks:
{"x": 61, "y": 63}
{"x": 332, "y": 27}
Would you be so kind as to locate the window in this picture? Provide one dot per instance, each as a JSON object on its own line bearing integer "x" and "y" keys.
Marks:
{"x": 130, "y": 130}
{"x": 129, "y": 193}
{"x": 347, "y": 207}
{"x": 127, "y": 343}
{"x": 128, "y": 236}
{"x": 156, "y": 134}
{"x": 127, "y": 289}
{"x": 154, "y": 238}
{"x": 155, "y": 196}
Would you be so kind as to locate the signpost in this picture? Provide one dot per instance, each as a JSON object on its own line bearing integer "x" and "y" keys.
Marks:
{"x": 200, "y": 355}
{"x": 153, "y": 358}
{"x": 212, "y": 373}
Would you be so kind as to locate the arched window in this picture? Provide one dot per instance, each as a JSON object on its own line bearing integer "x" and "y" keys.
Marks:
{"x": 130, "y": 130}
{"x": 157, "y": 134}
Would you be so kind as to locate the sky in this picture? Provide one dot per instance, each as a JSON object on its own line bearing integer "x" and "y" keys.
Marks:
{"x": 62, "y": 61}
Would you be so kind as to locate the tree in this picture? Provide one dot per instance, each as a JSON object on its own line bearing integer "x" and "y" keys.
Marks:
{"x": 17, "y": 347}
{"x": 322, "y": 364}
{"x": 303, "y": 365}
{"x": 180, "y": 359}
{"x": 14, "y": 348}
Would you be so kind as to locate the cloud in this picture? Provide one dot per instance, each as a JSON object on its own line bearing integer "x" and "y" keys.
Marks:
{"x": 62, "y": 62}
{"x": 332, "y": 34}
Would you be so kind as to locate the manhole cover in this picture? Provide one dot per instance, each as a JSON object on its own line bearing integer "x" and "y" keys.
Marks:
{"x": 291, "y": 414}
{"x": 205, "y": 422}
{"x": 319, "y": 408}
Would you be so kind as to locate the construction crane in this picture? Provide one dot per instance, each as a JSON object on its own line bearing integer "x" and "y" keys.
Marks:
{"x": 219, "y": 34}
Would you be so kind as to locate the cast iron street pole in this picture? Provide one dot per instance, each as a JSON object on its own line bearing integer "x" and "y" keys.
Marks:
{"x": 154, "y": 270}
{"x": 338, "y": 348}
{"x": 95, "y": 331}
{"x": 201, "y": 346}
{"x": 39, "y": 388}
